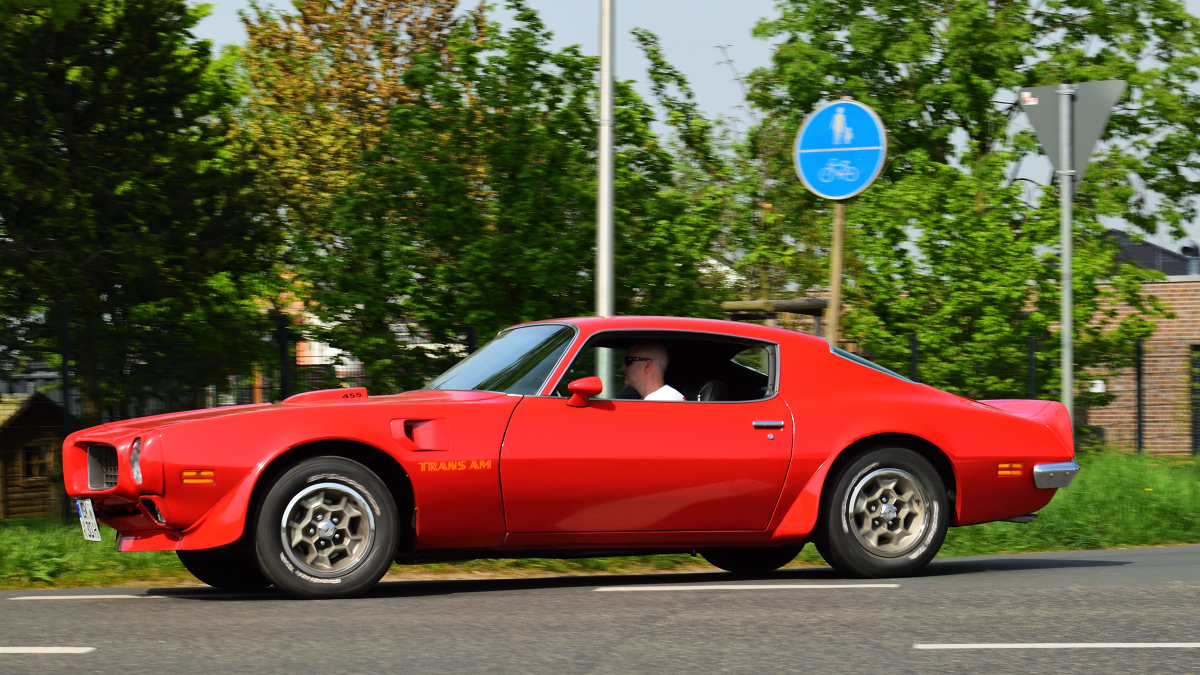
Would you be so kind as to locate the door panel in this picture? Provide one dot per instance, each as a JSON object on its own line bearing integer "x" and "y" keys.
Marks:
{"x": 643, "y": 465}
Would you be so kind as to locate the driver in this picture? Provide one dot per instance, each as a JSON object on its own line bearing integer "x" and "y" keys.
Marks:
{"x": 645, "y": 367}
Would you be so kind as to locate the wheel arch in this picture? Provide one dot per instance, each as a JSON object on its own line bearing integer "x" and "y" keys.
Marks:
{"x": 931, "y": 452}
{"x": 810, "y": 506}
{"x": 379, "y": 462}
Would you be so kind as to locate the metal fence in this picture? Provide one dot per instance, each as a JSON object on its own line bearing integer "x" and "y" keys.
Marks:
{"x": 60, "y": 373}
{"x": 1153, "y": 406}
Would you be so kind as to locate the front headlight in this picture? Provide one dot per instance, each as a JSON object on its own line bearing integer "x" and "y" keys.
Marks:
{"x": 135, "y": 460}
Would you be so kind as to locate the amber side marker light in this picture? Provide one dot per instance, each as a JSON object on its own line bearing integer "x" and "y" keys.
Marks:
{"x": 1008, "y": 470}
{"x": 198, "y": 477}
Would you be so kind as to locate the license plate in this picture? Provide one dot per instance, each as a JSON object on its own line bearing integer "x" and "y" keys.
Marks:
{"x": 87, "y": 519}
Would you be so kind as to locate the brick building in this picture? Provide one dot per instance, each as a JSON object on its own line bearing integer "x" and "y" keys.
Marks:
{"x": 1170, "y": 363}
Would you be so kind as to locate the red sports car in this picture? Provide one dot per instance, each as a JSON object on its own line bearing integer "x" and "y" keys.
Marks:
{"x": 570, "y": 438}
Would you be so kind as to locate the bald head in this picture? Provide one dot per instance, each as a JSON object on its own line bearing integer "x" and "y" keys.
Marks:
{"x": 646, "y": 373}
{"x": 651, "y": 349}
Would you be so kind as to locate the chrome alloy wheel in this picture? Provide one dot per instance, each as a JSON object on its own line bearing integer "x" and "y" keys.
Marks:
{"x": 327, "y": 530}
{"x": 888, "y": 512}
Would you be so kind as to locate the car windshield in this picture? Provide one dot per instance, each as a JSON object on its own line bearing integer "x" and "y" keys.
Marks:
{"x": 518, "y": 361}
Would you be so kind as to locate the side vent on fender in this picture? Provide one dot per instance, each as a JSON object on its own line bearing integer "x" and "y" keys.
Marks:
{"x": 422, "y": 435}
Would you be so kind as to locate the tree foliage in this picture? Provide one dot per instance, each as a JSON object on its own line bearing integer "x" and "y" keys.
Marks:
{"x": 320, "y": 83}
{"x": 477, "y": 208}
{"x": 954, "y": 242}
{"x": 119, "y": 192}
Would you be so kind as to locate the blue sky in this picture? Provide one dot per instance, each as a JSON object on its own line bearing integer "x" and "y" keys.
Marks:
{"x": 688, "y": 29}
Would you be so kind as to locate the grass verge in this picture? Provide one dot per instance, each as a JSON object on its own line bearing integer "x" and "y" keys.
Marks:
{"x": 1118, "y": 500}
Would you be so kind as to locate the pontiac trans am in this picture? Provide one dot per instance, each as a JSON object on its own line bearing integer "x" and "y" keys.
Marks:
{"x": 532, "y": 447}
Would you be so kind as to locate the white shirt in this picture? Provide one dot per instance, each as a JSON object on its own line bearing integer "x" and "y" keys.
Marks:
{"x": 664, "y": 393}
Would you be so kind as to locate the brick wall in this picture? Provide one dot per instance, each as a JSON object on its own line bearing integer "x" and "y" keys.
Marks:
{"x": 1166, "y": 377}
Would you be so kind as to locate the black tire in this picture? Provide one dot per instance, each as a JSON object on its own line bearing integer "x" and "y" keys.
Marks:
{"x": 747, "y": 560}
{"x": 859, "y": 536}
{"x": 229, "y": 568}
{"x": 341, "y": 524}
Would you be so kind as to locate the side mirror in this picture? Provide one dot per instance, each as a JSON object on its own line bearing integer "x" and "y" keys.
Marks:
{"x": 583, "y": 389}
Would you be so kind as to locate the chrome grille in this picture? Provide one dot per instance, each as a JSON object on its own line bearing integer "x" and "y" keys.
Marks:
{"x": 102, "y": 466}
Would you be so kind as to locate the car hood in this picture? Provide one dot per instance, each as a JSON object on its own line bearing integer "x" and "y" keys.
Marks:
{"x": 323, "y": 398}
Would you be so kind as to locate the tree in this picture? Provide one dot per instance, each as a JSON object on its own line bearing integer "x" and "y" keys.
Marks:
{"x": 319, "y": 85}
{"x": 477, "y": 208}
{"x": 118, "y": 190}
{"x": 954, "y": 242}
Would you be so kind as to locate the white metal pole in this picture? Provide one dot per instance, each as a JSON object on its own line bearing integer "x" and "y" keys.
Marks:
{"x": 604, "y": 200}
{"x": 1066, "y": 182}
{"x": 604, "y": 203}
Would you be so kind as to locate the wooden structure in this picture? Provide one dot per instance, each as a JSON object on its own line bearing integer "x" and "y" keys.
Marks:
{"x": 30, "y": 456}
{"x": 769, "y": 311}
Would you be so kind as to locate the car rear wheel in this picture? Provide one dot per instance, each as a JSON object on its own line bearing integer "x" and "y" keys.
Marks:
{"x": 748, "y": 560}
{"x": 229, "y": 568}
{"x": 327, "y": 528}
{"x": 886, "y": 515}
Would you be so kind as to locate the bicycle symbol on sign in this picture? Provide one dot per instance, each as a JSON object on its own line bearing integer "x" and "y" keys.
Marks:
{"x": 837, "y": 169}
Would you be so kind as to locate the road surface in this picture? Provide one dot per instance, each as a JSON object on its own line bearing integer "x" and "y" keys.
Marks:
{"x": 1130, "y": 610}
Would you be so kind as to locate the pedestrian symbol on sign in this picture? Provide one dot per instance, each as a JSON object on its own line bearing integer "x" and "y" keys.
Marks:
{"x": 841, "y": 132}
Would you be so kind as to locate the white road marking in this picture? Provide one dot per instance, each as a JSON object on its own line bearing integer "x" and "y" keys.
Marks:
{"x": 46, "y": 650}
{"x": 735, "y": 587}
{"x": 83, "y": 597}
{"x": 1065, "y": 645}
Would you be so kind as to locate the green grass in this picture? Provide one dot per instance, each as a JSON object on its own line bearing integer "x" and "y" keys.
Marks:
{"x": 55, "y": 554}
{"x": 1118, "y": 500}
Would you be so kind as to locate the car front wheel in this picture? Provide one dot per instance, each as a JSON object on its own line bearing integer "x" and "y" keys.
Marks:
{"x": 886, "y": 515}
{"x": 327, "y": 528}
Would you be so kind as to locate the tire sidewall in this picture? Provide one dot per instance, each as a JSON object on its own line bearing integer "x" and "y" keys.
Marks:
{"x": 845, "y": 546}
{"x": 269, "y": 545}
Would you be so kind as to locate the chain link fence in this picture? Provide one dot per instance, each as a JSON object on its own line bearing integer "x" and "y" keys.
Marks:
{"x": 1152, "y": 407}
{"x": 60, "y": 373}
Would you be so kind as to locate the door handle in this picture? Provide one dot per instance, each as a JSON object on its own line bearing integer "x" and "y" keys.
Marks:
{"x": 768, "y": 424}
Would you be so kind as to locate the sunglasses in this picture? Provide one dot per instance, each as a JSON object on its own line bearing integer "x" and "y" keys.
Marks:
{"x": 629, "y": 360}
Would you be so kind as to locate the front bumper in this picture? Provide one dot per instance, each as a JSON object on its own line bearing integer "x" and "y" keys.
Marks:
{"x": 1058, "y": 475}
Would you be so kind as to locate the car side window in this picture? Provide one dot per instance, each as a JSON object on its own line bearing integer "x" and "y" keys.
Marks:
{"x": 757, "y": 359}
{"x": 751, "y": 369}
{"x": 603, "y": 362}
{"x": 702, "y": 369}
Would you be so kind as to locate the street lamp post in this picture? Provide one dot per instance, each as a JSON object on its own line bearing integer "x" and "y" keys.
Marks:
{"x": 604, "y": 202}
{"x": 604, "y": 198}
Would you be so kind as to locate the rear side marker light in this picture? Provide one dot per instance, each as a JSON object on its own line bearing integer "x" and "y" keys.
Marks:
{"x": 198, "y": 477}
{"x": 1008, "y": 470}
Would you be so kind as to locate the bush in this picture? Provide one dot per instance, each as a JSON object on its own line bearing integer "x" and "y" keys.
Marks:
{"x": 1117, "y": 500}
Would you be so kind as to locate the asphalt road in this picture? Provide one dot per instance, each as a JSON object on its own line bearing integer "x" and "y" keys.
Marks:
{"x": 1091, "y": 612}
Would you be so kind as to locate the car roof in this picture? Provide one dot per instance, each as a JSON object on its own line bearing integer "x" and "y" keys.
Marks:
{"x": 594, "y": 324}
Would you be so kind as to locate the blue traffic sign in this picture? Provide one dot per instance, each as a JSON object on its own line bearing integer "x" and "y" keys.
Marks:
{"x": 840, "y": 149}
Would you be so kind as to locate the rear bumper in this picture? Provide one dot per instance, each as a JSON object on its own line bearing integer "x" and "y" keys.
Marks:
{"x": 1058, "y": 475}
